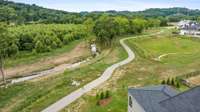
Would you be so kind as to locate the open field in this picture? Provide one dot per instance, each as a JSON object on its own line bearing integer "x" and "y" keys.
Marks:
{"x": 144, "y": 70}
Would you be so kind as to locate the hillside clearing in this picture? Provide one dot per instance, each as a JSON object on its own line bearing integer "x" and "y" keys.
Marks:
{"x": 69, "y": 54}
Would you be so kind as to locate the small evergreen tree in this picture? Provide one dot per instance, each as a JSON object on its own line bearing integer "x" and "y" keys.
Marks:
{"x": 97, "y": 96}
{"x": 178, "y": 85}
{"x": 172, "y": 82}
{"x": 102, "y": 95}
{"x": 163, "y": 82}
{"x": 107, "y": 94}
{"x": 168, "y": 81}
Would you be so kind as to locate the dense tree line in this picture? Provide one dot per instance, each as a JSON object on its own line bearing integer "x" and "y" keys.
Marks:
{"x": 20, "y": 13}
{"x": 44, "y": 38}
{"x": 107, "y": 28}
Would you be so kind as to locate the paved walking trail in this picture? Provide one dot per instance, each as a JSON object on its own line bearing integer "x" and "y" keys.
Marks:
{"x": 62, "y": 103}
{"x": 163, "y": 55}
{"x": 56, "y": 70}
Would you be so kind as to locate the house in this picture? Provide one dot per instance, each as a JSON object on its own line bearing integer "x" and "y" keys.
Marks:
{"x": 163, "y": 98}
{"x": 188, "y": 27}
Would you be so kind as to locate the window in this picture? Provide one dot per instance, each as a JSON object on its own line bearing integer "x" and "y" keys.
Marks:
{"x": 130, "y": 102}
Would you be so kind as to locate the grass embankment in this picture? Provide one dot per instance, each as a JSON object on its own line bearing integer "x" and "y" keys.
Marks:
{"x": 144, "y": 70}
{"x": 37, "y": 94}
{"x": 24, "y": 58}
{"x": 27, "y": 63}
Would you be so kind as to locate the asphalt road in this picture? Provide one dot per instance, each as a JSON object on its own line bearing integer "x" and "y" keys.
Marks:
{"x": 65, "y": 101}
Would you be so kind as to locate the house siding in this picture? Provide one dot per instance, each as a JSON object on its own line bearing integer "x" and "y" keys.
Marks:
{"x": 135, "y": 106}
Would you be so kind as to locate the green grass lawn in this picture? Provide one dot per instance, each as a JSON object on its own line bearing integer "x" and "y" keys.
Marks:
{"x": 38, "y": 94}
{"x": 144, "y": 71}
{"x": 186, "y": 50}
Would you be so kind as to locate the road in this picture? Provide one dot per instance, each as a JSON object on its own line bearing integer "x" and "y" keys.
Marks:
{"x": 65, "y": 101}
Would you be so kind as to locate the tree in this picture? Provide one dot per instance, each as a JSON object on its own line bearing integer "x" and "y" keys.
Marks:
{"x": 163, "y": 21}
{"x": 39, "y": 46}
{"x": 106, "y": 30}
{"x": 137, "y": 25}
{"x": 154, "y": 22}
{"x": 89, "y": 24}
{"x": 198, "y": 19}
{"x": 7, "y": 14}
{"x": 122, "y": 25}
{"x": 7, "y": 47}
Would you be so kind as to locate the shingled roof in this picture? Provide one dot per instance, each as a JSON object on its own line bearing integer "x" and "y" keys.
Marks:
{"x": 188, "y": 101}
{"x": 150, "y": 97}
{"x": 166, "y": 99}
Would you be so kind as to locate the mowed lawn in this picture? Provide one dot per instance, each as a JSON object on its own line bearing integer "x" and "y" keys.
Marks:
{"x": 144, "y": 70}
{"x": 181, "y": 51}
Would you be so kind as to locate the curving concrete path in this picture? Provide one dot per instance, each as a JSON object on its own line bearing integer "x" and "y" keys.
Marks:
{"x": 65, "y": 101}
{"x": 163, "y": 55}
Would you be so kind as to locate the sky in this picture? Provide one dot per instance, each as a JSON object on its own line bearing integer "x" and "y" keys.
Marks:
{"x": 119, "y": 5}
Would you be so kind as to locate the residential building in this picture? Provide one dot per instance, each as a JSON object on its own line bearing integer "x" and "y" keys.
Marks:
{"x": 188, "y": 27}
{"x": 163, "y": 98}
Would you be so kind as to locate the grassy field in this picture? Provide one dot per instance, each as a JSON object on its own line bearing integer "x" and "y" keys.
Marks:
{"x": 144, "y": 70}
{"x": 37, "y": 94}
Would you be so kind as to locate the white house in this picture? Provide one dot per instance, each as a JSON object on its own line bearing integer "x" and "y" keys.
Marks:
{"x": 188, "y": 27}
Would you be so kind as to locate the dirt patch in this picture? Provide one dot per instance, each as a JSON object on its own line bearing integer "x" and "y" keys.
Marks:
{"x": 73, "y": 56}
{"x": 104, "y": 102}
{"x": 195, "y": 80}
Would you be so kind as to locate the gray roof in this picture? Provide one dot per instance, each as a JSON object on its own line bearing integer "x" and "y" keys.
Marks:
{"x": 188, "y": 101}
{"x": 166, "y": 99}
{"x": 149, "y": 97}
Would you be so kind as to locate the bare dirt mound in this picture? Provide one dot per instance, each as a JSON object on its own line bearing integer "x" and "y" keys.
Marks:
{"x": 74, "y": 55}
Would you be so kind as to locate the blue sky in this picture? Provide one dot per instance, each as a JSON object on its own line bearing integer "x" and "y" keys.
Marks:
{"x": 102, "y": 5}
